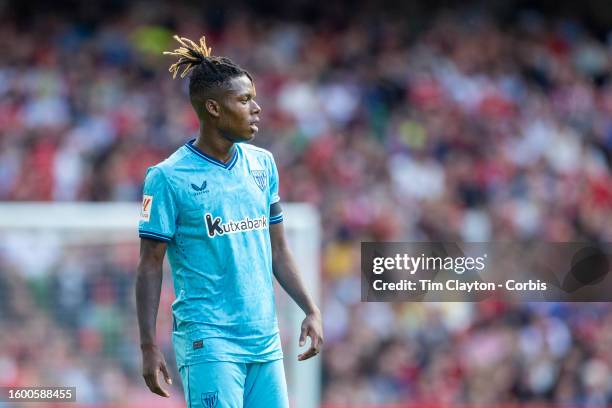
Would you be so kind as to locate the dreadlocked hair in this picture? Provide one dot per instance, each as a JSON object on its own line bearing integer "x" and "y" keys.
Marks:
{"x": 207, "y": 71}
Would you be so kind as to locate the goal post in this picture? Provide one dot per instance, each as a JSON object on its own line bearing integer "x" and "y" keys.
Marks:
{"x": 74, "y": 224}
{"x": 302, "y": 227}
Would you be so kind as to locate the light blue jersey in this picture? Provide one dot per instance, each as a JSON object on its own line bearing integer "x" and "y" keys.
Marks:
{"x": 215, "y": 218}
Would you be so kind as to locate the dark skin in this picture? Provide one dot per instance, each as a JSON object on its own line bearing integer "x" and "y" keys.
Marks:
{"x": 231, "y": 116}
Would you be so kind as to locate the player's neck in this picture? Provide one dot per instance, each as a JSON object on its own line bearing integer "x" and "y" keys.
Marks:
{"x": 214, "y": 144}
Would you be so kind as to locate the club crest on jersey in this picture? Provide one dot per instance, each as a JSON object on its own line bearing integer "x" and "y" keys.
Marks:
{"x": 210, "y": 399}
{"x": 260, "y": 178}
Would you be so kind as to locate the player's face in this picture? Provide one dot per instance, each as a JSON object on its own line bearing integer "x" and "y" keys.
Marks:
{"x": 239, "y": 113}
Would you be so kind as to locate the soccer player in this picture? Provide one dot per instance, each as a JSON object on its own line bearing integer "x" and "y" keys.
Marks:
{"x": 213, "y": 206}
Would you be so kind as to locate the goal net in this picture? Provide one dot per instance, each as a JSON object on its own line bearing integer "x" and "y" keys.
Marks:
{"x": 67, "y": 308}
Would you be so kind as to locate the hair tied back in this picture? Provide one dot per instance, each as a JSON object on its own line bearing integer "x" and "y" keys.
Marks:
{"x": 190, "y": 55}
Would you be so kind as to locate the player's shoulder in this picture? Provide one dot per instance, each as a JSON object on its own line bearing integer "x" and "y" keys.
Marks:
{"x": 257, "y": 151}
{"x": 168, "y": 167}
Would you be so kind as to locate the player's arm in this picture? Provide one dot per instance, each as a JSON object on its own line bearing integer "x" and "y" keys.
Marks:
{"x": 289, "y": 278}
{"x": 148, "y": 289}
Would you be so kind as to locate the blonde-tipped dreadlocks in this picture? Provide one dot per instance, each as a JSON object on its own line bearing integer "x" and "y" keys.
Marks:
{"x": 191, "y": 55}
{"x": 206, "y": 72}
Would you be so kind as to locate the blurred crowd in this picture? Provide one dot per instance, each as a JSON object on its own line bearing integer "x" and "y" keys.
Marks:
{"x": 68, "y": 319}
{"x": 455, "y": 127}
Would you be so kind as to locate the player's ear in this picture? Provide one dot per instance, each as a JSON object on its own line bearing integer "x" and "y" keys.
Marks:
{"x": 212, "y": 107}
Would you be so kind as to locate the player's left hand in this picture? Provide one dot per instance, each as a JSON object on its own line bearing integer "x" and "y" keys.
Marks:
{"x": 311, "y": 327}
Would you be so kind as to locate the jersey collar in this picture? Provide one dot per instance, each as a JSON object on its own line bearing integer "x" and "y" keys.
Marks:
{"x": 228, "y": 166}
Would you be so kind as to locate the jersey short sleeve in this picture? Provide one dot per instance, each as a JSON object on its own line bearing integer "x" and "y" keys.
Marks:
{"x": 274, "y": 197}
{"x": 276, "y": 214}
{"x": 159, "y": 210}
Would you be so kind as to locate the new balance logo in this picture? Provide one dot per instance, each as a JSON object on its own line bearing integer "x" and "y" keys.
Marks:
{"x": 216, "y": 226}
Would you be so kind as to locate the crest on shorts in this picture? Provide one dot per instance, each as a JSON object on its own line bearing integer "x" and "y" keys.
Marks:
{"x": 260, "y": 178}
{"x": 210, "y": 399}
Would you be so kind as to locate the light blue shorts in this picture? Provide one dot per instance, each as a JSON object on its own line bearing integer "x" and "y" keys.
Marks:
{"x": 221, "y": 384}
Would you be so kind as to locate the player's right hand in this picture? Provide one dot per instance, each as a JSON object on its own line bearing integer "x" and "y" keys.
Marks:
{"x": 152, "y": 363}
